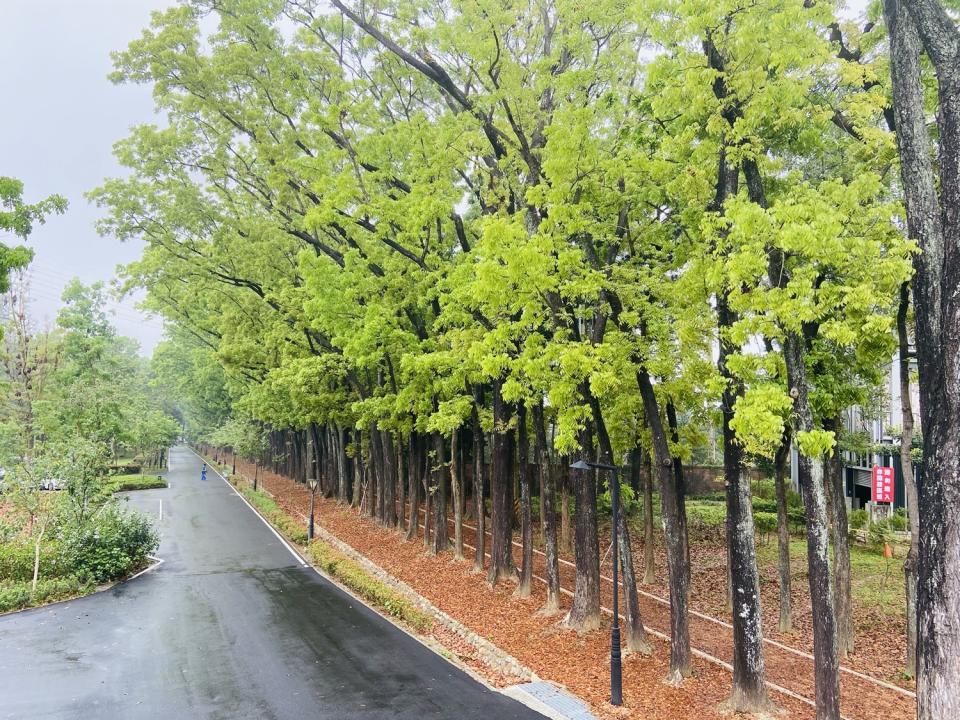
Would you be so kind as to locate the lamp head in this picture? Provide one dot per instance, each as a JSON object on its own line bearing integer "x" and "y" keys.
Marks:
{"x": 581, "y": 465}
{"x": 312, "y": 483}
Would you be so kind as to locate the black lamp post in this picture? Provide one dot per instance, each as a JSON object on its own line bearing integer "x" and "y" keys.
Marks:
{"x": 312, "y": 484}
{"x": 616, "y": 671}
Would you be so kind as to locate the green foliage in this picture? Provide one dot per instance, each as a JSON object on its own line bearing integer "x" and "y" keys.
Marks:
{"x": 19, "y": 595}
{"x": 18, "y": 218}
{"x": 765, "y": 523}
{"x": 629, "y": 502}
{"x": 879, "y": 535}
{"x": 378, "y": 593}
{"x": 122, "y": 483}
{"x": 857, "y": 519}
{"x": 107, "y": 546}
{"x": 898, "y": 521}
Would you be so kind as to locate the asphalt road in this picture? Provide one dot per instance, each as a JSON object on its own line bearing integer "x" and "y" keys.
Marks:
{"x": 231, "y": 625}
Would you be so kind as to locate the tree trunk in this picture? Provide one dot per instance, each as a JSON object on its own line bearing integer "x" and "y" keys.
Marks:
{"x": 749, "y": 692}
{"x": 675, "y": 533}
{"x": 909, "y": 481}
{"x": 783, "y": 533}
{"x": 526, "y": 521}
{"x": 842, "y": 592}
{"x": 402, "y": 482}
{"x": 479, "y": 480}
{"x": 635, "y": 638}
{"x": 389, "y": 480}
{"x": 501, "y": 492}
{"x": 584, "y": 615}
{"x": 548, "y": 517}
{"x": 826, "y": 666}
{"x": 456, "y": 483}
{"x": 36, "y": 561}
{"x": 441, "y": 536}
{"x": 649, "y": 571}
{"x": 934, "y": 221}
{"x": 413, "y": 482}
{"x": 566, "y": 540}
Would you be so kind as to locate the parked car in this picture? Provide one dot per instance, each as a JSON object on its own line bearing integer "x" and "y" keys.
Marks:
{"x": 52, "y": 484}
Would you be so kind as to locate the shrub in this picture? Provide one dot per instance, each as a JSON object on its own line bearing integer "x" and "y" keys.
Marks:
{"x": 765, "y": 489}
{"x": 899, "y": 521}
{"x": 765, "y": 523}
{"x": 707, "y": 521}
{"x": 880, "y": 534}
{"x": 16, "y": 560}
{"x": 629, "y": 502}
{"x": 17, "y": 596}
{"x": 368, "y": 587}
{"x": 109, "y": 545}
{"x": 857, "y": 519}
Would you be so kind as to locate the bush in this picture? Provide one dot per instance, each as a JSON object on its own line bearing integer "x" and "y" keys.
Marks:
{"x": 16, "y": 561}
{"x": 765, "y": 523}
{"x": 707, "y": 521}
{"x": 899, "y": 521}
{"x": 857, "y": 519}
{"x": 880, "y": 534}
{"x": 368, "y": 587}
{"x": 109, "y": 545}
{"x": 629, "y": 502}
{"x": 135, "y": 482}
{"x": 765, "y": 489}
{"x": 17, "y": 596}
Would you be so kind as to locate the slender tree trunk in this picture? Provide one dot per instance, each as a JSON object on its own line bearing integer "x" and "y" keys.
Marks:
{"x": 826, "y": 665}
{"x": 673, "y": 515}
{"x": 584, "y": 614}
{"x": 402, "y": 469}
{"x": 783, "y": 532}
{"x": 413, "y": 482}
{"x": 635, "y": 636}
{"x": 749, "y": 692}
{"x": 341, "y": 465}
{"x": 441, "y": 537}
{"x": 479, "y": 480}
{"x": 649, "y": 570}
{"x": 389, "y": 480}
{"x": 501, "y": 492}
{"x": 548, "y": 517}
{"x": 909, "y": 481}
{"x": 36, "y": 561}
{"x": 526, "y": 521}
{"x": 456, "y": 484}
{"x": 566, "y": 540}
{"x": 842, "y": 592}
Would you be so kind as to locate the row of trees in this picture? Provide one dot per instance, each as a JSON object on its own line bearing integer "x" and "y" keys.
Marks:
{"x": 419, "y": 237}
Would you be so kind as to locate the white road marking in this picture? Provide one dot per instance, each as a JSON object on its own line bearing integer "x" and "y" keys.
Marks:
{"x": 160, "y": 518}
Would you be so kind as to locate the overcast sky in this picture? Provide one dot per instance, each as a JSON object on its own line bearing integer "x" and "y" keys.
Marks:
{"x": 59, "y": 117}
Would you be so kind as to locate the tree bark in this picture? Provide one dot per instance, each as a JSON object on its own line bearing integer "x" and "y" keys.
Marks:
{"x": 584, "y": 614}
{"x": 783, "y": 533}
{"x": 909, "y": 481}
{"x": 566, "y": 540}
{"x": 842, "y": 592}
{"x": 441, "y": 537}
{"x": 501, "y": 492}
{"x": 526, "y": 521}
{"x": 749, "y": 693}
{"x": 456, "y": 484}
{"x": 413, "y": 483}
{"x": 635, "y": 637}
{"x": 675, "y": 533}
{"x": 479, "y": 481}
{"x": 934, "y": 221}
{"x": 649, "y": 569}
{"x": 389, "y": 480}
{"x": 548, "y": 517}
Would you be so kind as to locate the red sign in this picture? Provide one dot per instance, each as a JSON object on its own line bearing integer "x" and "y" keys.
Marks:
{"x": 882, "y": 484}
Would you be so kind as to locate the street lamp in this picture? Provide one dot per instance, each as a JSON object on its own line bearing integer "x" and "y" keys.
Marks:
{"x": 312, "y": 483}
{"x": 616, "y": 670}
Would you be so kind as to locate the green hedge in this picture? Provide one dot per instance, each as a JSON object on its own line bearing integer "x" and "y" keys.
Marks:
{"x": 16, "y": 561}
{"x": 122, "y": 483}
{"x": 366, "y": 586}
{"x": 16, "y": 596}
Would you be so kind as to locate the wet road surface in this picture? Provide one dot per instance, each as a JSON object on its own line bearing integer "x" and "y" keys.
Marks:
{"x": 231, "y": 625}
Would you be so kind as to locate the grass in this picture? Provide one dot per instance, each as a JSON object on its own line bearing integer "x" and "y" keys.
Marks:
{"x": 136, "y": 481}
{"x": 876, "y": 582}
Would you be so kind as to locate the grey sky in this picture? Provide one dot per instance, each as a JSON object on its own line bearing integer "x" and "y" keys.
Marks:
{"x": 59, "y": 117}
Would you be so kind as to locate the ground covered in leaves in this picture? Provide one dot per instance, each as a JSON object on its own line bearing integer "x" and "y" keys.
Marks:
{"x": 580, "y": 662}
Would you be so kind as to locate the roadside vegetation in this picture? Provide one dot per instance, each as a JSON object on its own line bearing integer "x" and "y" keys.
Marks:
{"x": 79, "y": 422}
